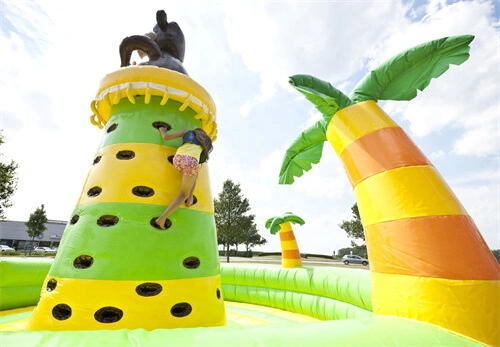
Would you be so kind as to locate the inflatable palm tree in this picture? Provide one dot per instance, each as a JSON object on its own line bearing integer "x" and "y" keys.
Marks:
{"x": 422, "y": 244}
{"x": 115, "y": 269}
{"x": 290, "y": 255}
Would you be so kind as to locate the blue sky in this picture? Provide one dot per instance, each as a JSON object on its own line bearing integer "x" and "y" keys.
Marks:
{"x": 54, "y": 53}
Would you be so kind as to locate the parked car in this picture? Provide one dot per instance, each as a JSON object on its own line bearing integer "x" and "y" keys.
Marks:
{"x": 44, "y": 250}
{"x": 5, "y": 248}
{"x": 354, "y": 259}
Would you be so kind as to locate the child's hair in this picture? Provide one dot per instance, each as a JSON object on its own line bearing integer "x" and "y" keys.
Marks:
{"x": 206, "y": 143}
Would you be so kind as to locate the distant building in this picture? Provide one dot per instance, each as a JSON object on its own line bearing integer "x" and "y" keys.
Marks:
{"x": 13, "y": 234}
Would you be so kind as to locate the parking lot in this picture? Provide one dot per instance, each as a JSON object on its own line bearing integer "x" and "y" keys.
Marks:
{"x": 305, "y": 262}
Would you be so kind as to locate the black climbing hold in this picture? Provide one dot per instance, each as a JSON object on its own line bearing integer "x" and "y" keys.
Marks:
{"x": 108, "y": 314}
{"x": 125, "y": 155}
{"x": 61, "y": 312}
{"x": 143, "y": 191}
{"x": 83, "y": 262}
{"x": 107, "y": 221}
{"x": 94, "y": 191}
{"x": 181, "y": 309}
{"x": 148, "y": 289}
{"x": 191, "y": 263}
{"x": 159, "y": 124}
{"x": 112, "y": 127}
{"x": 51, "y": 284}
{"x": 168, "y": 223}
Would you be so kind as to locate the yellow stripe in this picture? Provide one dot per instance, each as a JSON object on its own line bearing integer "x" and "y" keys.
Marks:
{"x": 18, "y": 325}
{"x": 286, "y": 245}
{"x": 405, "y": 192}
{"x": 236, "y": 317}
{"x": 244, "y": 319}
{"x": 354, "y": 122}
{"x": 285, "y": 227}
{"x": 154, "y": 74}
{"x": 274, "y": 311}
{"x": 469, "y": 307}
{"x": 290, "y": 262}
{"x": 118, "y": 177}
{"x": 16, "y": 311}
{"x": 85, "y": 297}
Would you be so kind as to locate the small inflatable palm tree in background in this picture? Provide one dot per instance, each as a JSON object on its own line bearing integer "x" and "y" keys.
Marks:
{"x": 290, "y": 255}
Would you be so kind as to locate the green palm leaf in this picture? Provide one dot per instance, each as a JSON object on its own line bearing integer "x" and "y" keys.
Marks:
{"x": 273, "y": 224}
{"x": 323, "y": 95}
{"x": 400, "y": 77}
{"x": 293, "y": 218}
{"x": 308, "y": 146}
{"x": 303, "y": 152}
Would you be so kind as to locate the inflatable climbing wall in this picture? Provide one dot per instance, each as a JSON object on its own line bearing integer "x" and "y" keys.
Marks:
{"x": 114, "y": 268}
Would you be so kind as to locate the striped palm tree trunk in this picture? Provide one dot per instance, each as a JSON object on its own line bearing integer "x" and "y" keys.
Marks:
{"x": 428, "y": 260}
{"x": 290, "y": 255}
{"x": 114, "y": 269}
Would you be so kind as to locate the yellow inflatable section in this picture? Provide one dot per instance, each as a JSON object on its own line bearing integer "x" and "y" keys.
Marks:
{"x": 153, "y": 81}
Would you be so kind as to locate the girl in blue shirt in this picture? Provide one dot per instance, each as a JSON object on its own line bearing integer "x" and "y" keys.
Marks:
{"x": 195, "y": 144}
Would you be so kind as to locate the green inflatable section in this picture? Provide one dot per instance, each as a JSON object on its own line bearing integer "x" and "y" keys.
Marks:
{"x": 374, "y": 332}
{"x": 256, "y": 313}
{"x": 158, "y": 259}
{"x": 326, "y": 293}
{"x": 309, "y": 305}
{"x": 14, "y": 317}
{"x": 21, "y": 280}
{"x": 129, "y": 123}
{"x": 307, "y": 287}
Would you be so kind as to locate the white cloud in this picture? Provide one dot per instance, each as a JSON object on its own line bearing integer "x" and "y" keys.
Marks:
{"x": 488, "y": 176}
{"x": 437, "y": 154}
{"x": 277, "y": 40}
{"x": 482, "y": 203}
{"x": 314, "y": 117}
{"x": 465, "y": 97}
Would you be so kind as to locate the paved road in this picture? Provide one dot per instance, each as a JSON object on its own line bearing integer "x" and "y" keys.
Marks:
{"x": 305, "y": 262}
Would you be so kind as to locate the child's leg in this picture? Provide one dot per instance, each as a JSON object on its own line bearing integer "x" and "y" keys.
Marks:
{"x": 189, "y": 200}
{"x": 186, "y": 187}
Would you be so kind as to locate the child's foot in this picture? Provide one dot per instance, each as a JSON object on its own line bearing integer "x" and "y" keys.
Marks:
{"x": 189, "y": 201}
{"x": 160, "y": 223}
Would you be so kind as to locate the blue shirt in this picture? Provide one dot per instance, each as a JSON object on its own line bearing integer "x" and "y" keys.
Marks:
{"x": 190, "y": 137}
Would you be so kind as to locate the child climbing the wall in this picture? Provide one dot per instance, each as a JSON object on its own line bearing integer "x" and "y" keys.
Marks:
{"x": 196, "y": 144}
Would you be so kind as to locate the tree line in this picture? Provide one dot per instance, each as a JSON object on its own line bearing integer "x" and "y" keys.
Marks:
{"x": 235, "y": 226}
{"x": 8, "y": 186}
{"x": 8, "y": 182}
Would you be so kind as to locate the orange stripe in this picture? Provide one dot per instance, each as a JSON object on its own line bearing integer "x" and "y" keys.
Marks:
{"x": 287, "y": 236}
{"x": 354, "y": 122}
{"x": 449, "y": 247}
{"x": 291, "y": 254}
{"x": 380, "y": 151}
